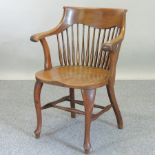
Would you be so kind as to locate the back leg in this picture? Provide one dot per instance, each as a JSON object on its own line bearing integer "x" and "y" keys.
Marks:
{"x": 112, "y": 98}
{"x": 72, "y": 104}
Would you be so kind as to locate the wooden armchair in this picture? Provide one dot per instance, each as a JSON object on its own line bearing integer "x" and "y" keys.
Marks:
{"x": 88, "y": 41}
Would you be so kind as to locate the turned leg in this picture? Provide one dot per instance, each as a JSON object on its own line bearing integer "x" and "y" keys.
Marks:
{"x": 72, "y": 104}
{"x": 88, "y": 98}
{"x": 112, "y": 98}
{"x": 37, "y": 91}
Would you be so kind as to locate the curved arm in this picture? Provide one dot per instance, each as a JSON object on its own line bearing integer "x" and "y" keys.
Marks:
{"x": 113, "y": 48}
{"x": 37, "y": 37}
{"x": 47, "y": 57}
{"x": 110, "y": 45}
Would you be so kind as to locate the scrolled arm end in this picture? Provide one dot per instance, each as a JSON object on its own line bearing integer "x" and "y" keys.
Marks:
{"x": 34, "y": 38}
{"x": 111, "y": 45}
{"x": 107, "y": 47}
{"x": 37, "y": 37}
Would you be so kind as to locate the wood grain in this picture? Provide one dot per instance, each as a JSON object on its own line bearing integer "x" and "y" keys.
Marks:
{"x": 87, "y": 61}
{"x": 74, "y": 76}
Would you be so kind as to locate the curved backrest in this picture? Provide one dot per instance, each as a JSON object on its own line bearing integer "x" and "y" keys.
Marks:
{"x": 96, "y": 17}
{"x": 82, "y": 31}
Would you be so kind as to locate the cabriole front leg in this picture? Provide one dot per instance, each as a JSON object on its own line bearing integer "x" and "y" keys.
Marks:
{"x": 88, "y": 98}
{"x": 37, "y": 92}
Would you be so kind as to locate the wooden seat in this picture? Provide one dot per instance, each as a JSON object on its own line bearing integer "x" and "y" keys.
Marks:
{"x": 88, "y": 42}
{"x": 74, "y": 76}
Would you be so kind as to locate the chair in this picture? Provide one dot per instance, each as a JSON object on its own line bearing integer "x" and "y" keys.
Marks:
{"x": 88, "y": 43}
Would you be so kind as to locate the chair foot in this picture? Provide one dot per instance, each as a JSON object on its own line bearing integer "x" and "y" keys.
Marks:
{"x": 87, "y": 148}
{"x": 72, "y": 104}
{"x": 37, "y": 134}
{"x": 88, "y": 98}
{"x": 73, "y": 115}
{"x": 112, "y": 98}
{"x": 37, "y": 91}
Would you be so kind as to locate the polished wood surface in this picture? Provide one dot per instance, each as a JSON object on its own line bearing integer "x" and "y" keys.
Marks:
{"x": 88, "y": 16}
{"x": 88, "y": 98}
{"x": 72, "y": 103}
{"x": 88, "y": 45}
{"x": 74, "y": 76}
{"x": 75, "y": 49}
{"x": 37, "y": 92}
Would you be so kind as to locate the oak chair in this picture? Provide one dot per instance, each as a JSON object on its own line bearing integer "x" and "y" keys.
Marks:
{"x": 88, "y": 41}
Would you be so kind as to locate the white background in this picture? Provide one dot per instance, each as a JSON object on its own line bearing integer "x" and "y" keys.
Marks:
{"x": 20, "y": 58}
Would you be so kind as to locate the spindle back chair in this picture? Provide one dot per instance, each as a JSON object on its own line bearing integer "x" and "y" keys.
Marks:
{"x": 88, "y": 41}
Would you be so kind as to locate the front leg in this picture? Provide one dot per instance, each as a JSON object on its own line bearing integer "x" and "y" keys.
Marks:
{"x": 88, "y": 98}
{"x": 37, "y": 91}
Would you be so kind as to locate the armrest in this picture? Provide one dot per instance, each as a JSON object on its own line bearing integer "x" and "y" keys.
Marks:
{"x": 39, "y": 36}
{"x": 110, "y": 45}
{"x": 59, "y": 28}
